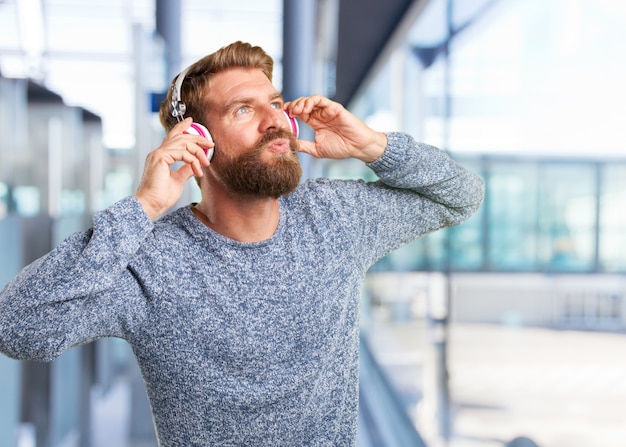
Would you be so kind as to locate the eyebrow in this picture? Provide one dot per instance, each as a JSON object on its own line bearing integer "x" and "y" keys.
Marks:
{"x": 246, "y": 100}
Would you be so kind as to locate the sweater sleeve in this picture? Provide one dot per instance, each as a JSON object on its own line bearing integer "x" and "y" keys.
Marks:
{"x": 420, "y": 190}
{"x": 430, "y": 172}
{"x": 80, "y": 291}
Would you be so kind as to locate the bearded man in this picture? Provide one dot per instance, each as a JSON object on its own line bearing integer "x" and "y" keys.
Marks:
{"x": 242, "y": 309}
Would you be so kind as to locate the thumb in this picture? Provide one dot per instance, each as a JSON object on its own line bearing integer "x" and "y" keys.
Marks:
{"x": 183, "y": 173}
{"x": 307, "y": 147}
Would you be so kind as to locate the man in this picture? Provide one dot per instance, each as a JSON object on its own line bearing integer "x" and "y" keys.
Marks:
{"x": 242, "y": 310}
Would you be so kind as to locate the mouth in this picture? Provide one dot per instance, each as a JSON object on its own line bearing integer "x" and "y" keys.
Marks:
{"x": 279, "y": 146}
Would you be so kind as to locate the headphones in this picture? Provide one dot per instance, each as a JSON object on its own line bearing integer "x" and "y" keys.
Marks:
{"x": 178, "y": 111}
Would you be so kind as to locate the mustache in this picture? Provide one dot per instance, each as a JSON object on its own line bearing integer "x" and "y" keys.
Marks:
{"x": 271, "y": 136}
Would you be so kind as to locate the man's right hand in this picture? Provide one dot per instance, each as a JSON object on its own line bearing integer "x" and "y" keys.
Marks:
{"x": 160, "y": 186}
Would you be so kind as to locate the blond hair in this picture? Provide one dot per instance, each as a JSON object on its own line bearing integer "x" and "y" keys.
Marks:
{"x": 193, "y": 90}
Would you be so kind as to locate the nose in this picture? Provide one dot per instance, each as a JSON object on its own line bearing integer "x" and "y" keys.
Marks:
{"x": 274, "y": 119}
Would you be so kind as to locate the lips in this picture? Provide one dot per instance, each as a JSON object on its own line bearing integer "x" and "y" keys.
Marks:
{"x": 280, "y": 145}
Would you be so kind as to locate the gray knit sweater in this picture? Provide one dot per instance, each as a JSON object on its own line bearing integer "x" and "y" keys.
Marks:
{"x": 240, "y": 344}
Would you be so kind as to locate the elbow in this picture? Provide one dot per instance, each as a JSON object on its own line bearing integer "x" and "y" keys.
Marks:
{"x": 463, "y": 213}
{"x": 20, "y": 349}
{"x": 27, "y": 342}
{"x": 459, "y": 216}
{"x": 28, "y": 331}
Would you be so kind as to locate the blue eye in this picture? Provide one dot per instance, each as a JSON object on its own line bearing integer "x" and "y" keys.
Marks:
{"x": 241, "y": 110}
{"x": 276, "y": 105}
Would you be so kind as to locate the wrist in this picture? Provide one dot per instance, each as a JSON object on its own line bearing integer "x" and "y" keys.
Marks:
{"x": 152, "y": 212}
{"x": 375, "y": 149}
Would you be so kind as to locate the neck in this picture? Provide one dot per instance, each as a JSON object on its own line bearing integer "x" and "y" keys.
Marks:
{"x": 244, "y": 219}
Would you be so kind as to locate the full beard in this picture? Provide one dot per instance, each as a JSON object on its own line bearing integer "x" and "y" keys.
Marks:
{"x": 249, "y": 174}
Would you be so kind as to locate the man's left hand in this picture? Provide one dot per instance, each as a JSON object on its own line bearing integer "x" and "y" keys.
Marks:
{"x": 338, "y": 133}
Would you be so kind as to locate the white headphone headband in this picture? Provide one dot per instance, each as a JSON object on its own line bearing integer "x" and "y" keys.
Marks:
{"x": 178, "y": 107}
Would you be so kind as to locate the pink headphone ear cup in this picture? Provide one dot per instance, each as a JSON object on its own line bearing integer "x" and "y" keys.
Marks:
{"x": 293, "y": 124}
{"x": 199, "y": 129}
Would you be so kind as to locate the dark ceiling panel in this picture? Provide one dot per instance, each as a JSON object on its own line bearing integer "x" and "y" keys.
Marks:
{"x": 365, "y": 26}
{"x": 40, "y": 94}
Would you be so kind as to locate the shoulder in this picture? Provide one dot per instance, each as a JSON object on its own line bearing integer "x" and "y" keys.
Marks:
{"x": 175, "y": 223}
{"x": 173, "y": 217}
{"x": 171, "y": 233}
{"x": 168, "y": 245}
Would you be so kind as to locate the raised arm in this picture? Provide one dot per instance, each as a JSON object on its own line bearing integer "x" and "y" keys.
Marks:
{"x": 433, "y": 174}
{"x": 400, "y": 163}
{"x": 84, "y": 289}
{"x": 421, "y": 188}
{"x": 161, "y": 186}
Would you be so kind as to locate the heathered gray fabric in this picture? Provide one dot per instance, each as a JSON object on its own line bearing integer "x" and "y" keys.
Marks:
{"x": 240, "y": 344}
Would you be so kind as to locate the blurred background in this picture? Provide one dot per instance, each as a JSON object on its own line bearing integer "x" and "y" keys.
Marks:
{"x": 505, "y": 331}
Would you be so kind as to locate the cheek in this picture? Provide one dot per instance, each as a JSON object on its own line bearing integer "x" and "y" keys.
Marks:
{"x": 235, "y": 140}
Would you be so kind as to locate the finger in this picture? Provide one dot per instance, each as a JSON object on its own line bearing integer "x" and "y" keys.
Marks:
{"x": 315, "y": 101}
{"x": 184, "y": 173}
{"x": 303, "y": 104}
{"x": 183, "y": 138}
{"x": 195, "y": 145}
{"x": 183, "y": 125}
{"x": 167, "y": 156}
{"x": 195, "y": 158}
{"x": 178, "y": 129}
{"x": 194, "y": 166}
{"x": 199, "y": 148}
{"x": 296, "y": 108}
{"x": 307, "y": 147}
{"x": 197, "y": 164}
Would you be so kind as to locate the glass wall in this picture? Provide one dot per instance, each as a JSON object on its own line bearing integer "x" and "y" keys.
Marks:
{"x": 528, "y": 94}
{"x": 612, "y": 237}
{"x": 538, "y": 216}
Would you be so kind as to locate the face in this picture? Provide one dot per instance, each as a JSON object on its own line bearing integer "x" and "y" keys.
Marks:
{"x": 255, "y": 150}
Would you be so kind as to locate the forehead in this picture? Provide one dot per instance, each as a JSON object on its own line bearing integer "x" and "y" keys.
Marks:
{"x": 236, "y": 83}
